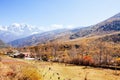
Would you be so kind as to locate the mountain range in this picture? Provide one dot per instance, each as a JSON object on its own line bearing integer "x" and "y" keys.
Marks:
{"x": 40, "y": 38}
{"x": 108, "y": 26}
{"x": 16, "y": 31}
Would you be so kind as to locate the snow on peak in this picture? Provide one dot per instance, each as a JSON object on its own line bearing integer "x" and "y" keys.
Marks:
{"x": 35, "y": 33}
{"x": 17, "y": 31}
{"x": 3, "y": 28}
{"x": 21, "y": 29}
{"x": 16, "y": 25}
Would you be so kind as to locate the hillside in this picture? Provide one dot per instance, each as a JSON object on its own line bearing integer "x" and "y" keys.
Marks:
{"x": 97, "y": 51}
{"x": 111, "y": 38}
{"x": 2, "y": 44}
{"x": 40, "y": 38}
{"x": 108, "y": 26}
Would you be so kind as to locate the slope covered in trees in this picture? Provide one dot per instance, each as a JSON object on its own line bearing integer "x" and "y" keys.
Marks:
{"x": 86, "y": 51}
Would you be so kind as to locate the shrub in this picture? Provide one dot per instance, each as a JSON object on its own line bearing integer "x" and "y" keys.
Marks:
{"x": 87, "y": 60}
{"x": 117, "y": 61}
{"x": 22, "y": 72}
{"x": 45, "y": 57}
{"x": 0, "y": 59}
{"x": 77, "y": 61}
{"x": 29, "y": 73}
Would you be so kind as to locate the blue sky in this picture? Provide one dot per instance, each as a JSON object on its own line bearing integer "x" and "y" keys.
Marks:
{"x": 57, "y": 13}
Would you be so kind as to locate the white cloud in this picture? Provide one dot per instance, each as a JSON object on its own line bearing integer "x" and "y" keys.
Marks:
{"x": 43, "y": 28}
{"x": 57, "y": 26}
{"x": 16, "y": 24}
{"x": 70, "y": 26}
{"x": 60, "y": 26}
{"x": 22, "y": 26}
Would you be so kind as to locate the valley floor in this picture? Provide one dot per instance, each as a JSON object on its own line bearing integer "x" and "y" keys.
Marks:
{"x": 54, "y": 71}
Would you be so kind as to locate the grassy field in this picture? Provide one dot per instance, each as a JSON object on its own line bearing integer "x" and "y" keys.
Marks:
{"x": 71, "y": 72}
{"x": 12, "y": 69}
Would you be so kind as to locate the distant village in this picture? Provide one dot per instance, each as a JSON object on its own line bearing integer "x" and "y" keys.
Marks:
{"x": 18, "y": 54}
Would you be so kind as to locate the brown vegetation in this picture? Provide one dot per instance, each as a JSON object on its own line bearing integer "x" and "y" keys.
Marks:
{"x": 17, "y": 70}
{"x": 86, "y": 51}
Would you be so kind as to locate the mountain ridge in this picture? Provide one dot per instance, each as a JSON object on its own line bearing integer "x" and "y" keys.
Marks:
{"x": 107, "y": 26}
{"x": 101, "y": 28}
{"x": 16, "y": 31}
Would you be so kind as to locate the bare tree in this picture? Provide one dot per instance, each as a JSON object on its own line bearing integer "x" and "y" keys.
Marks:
{"x": 54, "y": 50}
{"x": 38, "y": 52}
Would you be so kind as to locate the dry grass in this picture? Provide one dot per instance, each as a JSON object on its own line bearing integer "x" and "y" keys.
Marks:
{"x": 78, "y": 73}
{"x": 18, "y": 71}
{"x": 34, "y": 70}
{"x": 71, "y": 72}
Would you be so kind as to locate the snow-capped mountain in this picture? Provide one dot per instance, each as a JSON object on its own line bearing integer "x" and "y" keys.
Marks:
{"x": 16, "y": 31}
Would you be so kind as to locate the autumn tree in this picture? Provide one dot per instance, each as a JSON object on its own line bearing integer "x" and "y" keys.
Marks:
{"x": 54, "y": 50}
